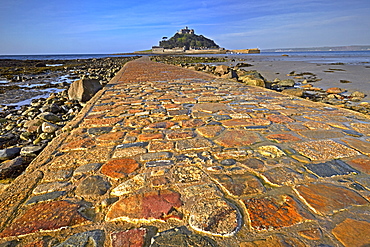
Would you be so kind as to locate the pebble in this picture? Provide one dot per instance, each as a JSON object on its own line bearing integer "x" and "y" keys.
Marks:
{"x": 9, "y": 153}
{"x": 31, "y": 150}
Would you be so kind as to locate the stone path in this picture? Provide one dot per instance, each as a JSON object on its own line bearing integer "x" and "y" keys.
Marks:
{"x": 165, "y": 156}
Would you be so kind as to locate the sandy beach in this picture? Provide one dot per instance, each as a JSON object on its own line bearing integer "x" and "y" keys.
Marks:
{"x": 272, "y": 67}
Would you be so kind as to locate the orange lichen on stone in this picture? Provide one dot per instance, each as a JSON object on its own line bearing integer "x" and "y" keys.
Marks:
{"x": 148, "y": 206}
{"x": 119, "y": 168}
{"x": 267, "y": 213}
{"x": 326, "y": 199}
{"x": 43, "y": 217}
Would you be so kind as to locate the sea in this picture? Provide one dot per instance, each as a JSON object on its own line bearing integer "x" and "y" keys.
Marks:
{"x": 324, "y": 57}
{"x": 60, "y": 56}
{"x": 346, "y": 57}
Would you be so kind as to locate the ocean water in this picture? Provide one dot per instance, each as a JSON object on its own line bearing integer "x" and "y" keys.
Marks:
{"x": 60, "y": 56}
{"x": 347, "y": 57}
{"x": 324, "y": 57}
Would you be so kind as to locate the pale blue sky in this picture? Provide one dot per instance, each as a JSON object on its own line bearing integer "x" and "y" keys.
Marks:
{"x": 109, "y": 26}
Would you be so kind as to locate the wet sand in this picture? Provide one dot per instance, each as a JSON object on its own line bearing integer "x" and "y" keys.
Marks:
{"x": 330, "y": 74}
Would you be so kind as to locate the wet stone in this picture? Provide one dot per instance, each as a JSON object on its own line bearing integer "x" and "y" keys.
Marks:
{"x": 221, "y": 117}
{"x": 326, "y": 199}
{"x": 352, "y": 133}
{"x": 174, "y": 113}
{"x": 240, "y": 184}
{"x": 237, "y": 138}
{"x": 50, "y": 187}
{"x": 324, "y": 150}
{"x": 130, "y": 238}
{"x": 268, "y": 214}
{"x": 228, "y": 162}
{"x": 156, "y": 156}
{"x": 282, "y": 138}
{"x": 245, "y": 122}
{"x": 130, "y": 145}
{"x": 210, "y": 107}
{"x": 362, "y": 128}
{"x": 119, "y": 168}
{"x": 216, "y": 217}
{"x": 361, "y": 164}
{"x": 363, "y": 147}
{"x": 283, "y": 176}
{"x": 311, "y": 234}
{"x": 154, "y": 205}
{"x": 210, "y": 131}
{"x": 88, "y": 168}
{"x": 99, "y": 130}
{"x": 159, "y": 163}
{"x": 357, "y": 186}
{"x": 45, "y": 197}
{"x": 331, "y": 168}
{"x": 321, "y": 134}
{"x": 192, "y": 123}
{"x": 317, "y": 126}
{"x": 276, "y": 241}
{"x": 353, "y": 233}
{"x": 92, "y": 186}
{"x": 91, "y": 238}
{"x": 161, "y": 125}
{"x": 179, "y": 237}
{"x": 54, "y": 215}
{"x": 254, "y": 163}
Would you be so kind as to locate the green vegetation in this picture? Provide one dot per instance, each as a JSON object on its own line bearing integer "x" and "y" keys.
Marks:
{"x": 188, "y": 40}
{"x": 186, "y": 59}
{"x": 144, "y": 51}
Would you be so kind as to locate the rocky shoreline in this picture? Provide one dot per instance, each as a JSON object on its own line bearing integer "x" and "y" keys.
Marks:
{"x": 26, "y": 129}
{"x": 300, "y": 84}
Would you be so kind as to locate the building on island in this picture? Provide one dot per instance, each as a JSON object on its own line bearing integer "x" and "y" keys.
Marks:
{"x": 186, "y": 30}
{"x": 197, "y": 44}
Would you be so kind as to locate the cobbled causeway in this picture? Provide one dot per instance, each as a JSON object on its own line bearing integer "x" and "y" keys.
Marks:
{"x": 165, "y": 156}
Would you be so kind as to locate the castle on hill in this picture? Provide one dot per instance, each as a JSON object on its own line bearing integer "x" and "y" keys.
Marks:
{"x": 186, "y": 41}
{"x": 186, "y": 30}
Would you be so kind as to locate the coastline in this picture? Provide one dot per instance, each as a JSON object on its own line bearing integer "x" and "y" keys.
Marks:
{"x": 330, "y": 70}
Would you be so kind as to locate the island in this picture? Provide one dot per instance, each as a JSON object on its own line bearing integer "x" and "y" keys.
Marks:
{"x": 185, "y": 41}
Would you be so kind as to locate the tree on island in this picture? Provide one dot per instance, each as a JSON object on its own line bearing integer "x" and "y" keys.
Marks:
{"x": 188, "y": 40}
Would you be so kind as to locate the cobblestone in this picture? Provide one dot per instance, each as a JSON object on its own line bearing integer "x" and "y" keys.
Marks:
{"x": 165, "y": 156}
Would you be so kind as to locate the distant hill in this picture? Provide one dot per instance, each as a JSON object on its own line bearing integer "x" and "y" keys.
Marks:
{"x": 326, "y": 48}
{"x": 188, "y": 40}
